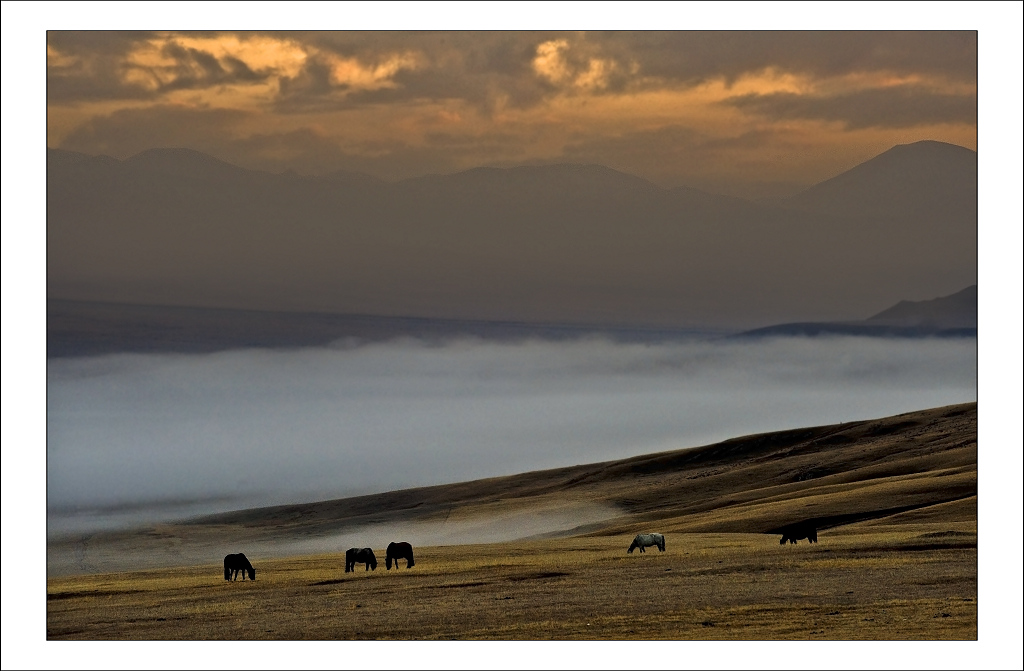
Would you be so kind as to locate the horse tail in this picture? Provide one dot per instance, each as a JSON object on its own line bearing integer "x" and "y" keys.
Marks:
{"x": 410, "y": 563}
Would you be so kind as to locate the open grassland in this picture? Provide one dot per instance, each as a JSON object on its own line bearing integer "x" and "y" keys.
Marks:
{"x": 909, "y": 582}
{"x": 895, "y": 502}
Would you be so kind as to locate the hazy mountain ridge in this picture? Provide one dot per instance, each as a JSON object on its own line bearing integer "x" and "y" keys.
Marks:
{"x": 564, "y": 243}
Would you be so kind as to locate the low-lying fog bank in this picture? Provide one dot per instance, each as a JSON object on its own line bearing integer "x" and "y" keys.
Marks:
{"x": 181, "y": 545}
{"x": 133, "y": 439}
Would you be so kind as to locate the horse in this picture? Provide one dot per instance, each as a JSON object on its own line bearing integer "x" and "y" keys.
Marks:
{"x": 235, "y": 563}
{"x": 398, "y": 551}
{"x": 647, "y": 540}
{"x": 355, "y": 556}
{"x": 799, "y": 531}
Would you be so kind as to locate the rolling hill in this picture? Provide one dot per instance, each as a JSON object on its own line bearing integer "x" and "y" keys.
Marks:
{"x": 907, "y": 469}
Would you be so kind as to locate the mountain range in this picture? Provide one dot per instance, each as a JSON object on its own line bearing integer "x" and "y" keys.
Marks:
{"x": 569, "y": 244}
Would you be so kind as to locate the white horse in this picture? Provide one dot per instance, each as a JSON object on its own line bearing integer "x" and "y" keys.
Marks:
{"x": 647, "y": 540}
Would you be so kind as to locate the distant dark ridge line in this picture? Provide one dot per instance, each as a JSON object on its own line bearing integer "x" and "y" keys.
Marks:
{"x": 90, "y": 328}
{"x": 817, "y": 329}
{"x": 368, "y": 316}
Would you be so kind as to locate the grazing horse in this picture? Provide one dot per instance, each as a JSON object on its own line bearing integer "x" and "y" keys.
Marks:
{"x": 798, "y": 531}
{"x": 647, "y": 540}
{"x": 398, "y": 551}
{"x": 355, "y": 556}
{"x": 235, "y": 563}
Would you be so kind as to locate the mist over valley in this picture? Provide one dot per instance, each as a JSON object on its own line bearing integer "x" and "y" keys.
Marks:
{"x": 133, "y": 438}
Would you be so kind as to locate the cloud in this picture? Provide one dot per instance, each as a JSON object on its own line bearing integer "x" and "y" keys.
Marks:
{"x": 485, "y": 68}
{"x": 691, "y": 56}
{"x": 402, "y": 104}
{"x": 889, "y": 107}
{"x": 138, "y": 66}
{"x": 193, "y": 68}
{"x": 328, "y": 82}
{"x": 261, "y": 427}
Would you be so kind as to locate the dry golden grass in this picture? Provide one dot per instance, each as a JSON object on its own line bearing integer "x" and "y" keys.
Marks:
{"x": 913, "y": 582}
{"x": 896, "y": 500}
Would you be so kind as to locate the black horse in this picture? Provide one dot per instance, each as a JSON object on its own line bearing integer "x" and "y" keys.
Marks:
{"x": 355, "y": 556}
{"x": 796, "y": 532}
{"x": 235, "y": 563}
{"x": 398, "y": 551}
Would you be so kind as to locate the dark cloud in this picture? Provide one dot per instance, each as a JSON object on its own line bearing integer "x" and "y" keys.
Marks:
{"x": 890, "y": 107}
{"x": 96, "y": 42}
{"x": 198, "y": 69}
{"x": 310, "y": 90}
{"x": 91, "y": 67}
{"x": 689, "y": 56}
{"x": 484, "y": 69}
{"x": 97, "y": 66}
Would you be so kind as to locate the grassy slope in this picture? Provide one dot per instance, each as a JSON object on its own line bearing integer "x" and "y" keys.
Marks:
{"x": 836, "y": 474}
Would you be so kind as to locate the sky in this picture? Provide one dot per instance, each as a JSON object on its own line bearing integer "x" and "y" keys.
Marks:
{"x": 745, "y": 113}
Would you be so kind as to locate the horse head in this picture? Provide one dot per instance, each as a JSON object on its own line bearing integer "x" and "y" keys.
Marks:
{"x": 387, "y": 562}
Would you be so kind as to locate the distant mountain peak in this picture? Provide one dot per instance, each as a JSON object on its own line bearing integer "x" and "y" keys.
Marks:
{"x": 929, "y": 180}
{"x": 929, "y": 146}
{"x": 959, "y": 310}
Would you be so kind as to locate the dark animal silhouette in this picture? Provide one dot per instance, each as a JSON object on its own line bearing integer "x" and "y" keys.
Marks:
{"x": 355, "y": 556}
{"x": 398, "y": 551}
{"x": 796, "y": 532}
{"x": 647, "y": 540}
{"x": 235, "y": 563}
